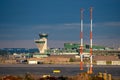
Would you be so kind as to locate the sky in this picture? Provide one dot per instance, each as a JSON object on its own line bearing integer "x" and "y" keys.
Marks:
{"x": 22, "y": 20}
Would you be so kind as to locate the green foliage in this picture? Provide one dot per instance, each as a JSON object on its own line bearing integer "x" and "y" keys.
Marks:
{"x": 72, "y": 60}
{"x": 96, "y": 78}
{"x": 28, "y": 76}
{"x": 3, "y": 52}
{"x": 109, "y": 62}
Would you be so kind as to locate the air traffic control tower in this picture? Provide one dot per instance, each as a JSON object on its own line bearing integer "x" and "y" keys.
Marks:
{"x": 42, "y": 42}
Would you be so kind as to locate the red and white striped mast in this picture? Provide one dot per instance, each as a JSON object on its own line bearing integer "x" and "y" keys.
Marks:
{"x": 91, "y": 66}
{"x": 81, "y": 38}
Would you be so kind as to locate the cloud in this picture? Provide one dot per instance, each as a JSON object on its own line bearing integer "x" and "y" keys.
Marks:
{"x": 30, "y": 43}
{"x": 56, "y": 43}
{"x": 113, "y": 42}
{"x": 61, "y": 26}
{"x": 109, "y": 35}
{"x": 6, "y": 35}
{"x": 72, "y": 24}
{"x": 17, "y": 44}
{"x": 108, "y": 24}
{"x": 105, "y": 24}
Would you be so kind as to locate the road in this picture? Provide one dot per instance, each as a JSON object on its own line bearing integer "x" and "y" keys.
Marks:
{"x": 66, "y": 70}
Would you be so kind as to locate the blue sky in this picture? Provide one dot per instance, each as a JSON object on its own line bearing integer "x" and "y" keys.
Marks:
{"x": 22, "y": 20}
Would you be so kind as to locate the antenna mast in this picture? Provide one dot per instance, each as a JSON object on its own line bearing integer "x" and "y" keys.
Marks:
{"x": 81, "y": 38}
{"x": 91, "y": 66}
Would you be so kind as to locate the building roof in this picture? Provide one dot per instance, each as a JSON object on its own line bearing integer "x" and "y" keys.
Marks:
{"x": 106, "y": 58}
